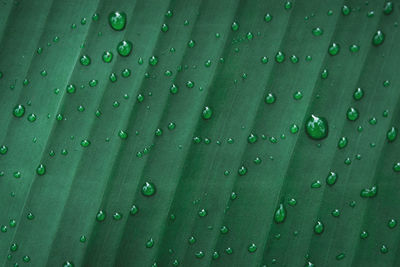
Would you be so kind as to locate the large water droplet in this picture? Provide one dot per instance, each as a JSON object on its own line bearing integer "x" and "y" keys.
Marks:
{"x": 117, "y": 20}
{"x": 317, "y": 127}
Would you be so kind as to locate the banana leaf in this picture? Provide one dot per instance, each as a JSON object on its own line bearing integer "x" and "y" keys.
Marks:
{"x": 199, "y": 133}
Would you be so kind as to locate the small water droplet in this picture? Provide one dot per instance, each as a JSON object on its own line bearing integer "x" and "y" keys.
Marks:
{"x": 148, "y": 189}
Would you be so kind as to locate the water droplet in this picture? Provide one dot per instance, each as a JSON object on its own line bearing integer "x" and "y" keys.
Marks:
{"x": 71, "y": 88}
{"x": 242, "y": 170}
{"x": 41, "y": 169}
{"x": 392, "y": 223}
{"x": 388, "y": 7}
{"x": 369, "y": 192}
{"x": 354, "y": 48}
{"x": 342, "y": 142}
{"x": 336, "y": 213}
{"x": 202, "y": 213}
{"x": 267, "y": 17}
{"x": 346, "y": 10}
{"x": 297, "y": 95}
{"x": 82, "y": 239}
{"x": 352, "y": 114}
{"x": 85, "y": 60}
{"x": 340, "y": 256}
{"x": 331, "y": 178}
{"x": 363, "y": 234}
{"x": 191, "y": 43}
{"x": 126, "y": 73}
{"x": 14, "y": 247}
{"x": 316, "y": 184}
{"x": 153, "y": 60}
{"x": 392, "y": 134}
{"x": 252, "y": 138}
{"x": 280, "y": 57}
{"x": 207, "y": 113}
{"x": 148, "y": 189}
{"x": 378, "y": 38}
{"x": 358, "y": 94}
{"x": 292, "y": 202}
{"x": 85, "y": 143}
{"x": 270, "y": 98}
{"x": 199, "y": 254}
{"x": 288, "y": 5}
{"x": 334, "y": 49}
{"x": 318, "y": 227}
{"x": 117, "y": 20}
{"x": 101, "y": 216}
{"x": 252, "y": 248}
{"x": 107, "y": 56}
{"x": 235, "y": 26}
{"x": 3, "y": 149}
{"x": 19, "y": 111}
{"x": 189, "y": 84}
{"x": 164, "y": 28}
{"x": 317, "y": 31}
{"x": 317, "y": 127}
{"x": 117, "y": 216}
{"x": 280, "y": 214}
{"x": 124, "y": 48}
{"x": 384, "y": 249}
{"x": 224, "y": 229}
{"x": 122, "y": 134}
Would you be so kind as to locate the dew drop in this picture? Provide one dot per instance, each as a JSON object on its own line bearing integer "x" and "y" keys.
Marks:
{"x": 19, "y": 111}
{"x": 342, "y": 142}
{"x": 117, "y": 20}
{"x": 318, "y": 227}
{"x": 369, "y": 192}
{"x": 388, "y": 7}
{"x": 358, "y": 94}
{"x": 378, "y": 38}
{"x": 392, "y": 223}
{"x": 124, "y": 48}
{"x": 280, "y": 214}
{"x": 334, "y": 49}
{"x": 207, "y": 113}
{"x": 41, "y": 169}
{"x": 317, "y": 127}
{"x": 85, "y": 60}
{"x": 107, "y": 56}
{"x": 100, "y": 216}
{"x": 279, "y": 57}
{"x": 352, "y": 114}
{"x": 391, "y": 134}
{"x": 270, "y": 98}
{"x": 242, "y": 170}
{"x": 331, "y": 178}
{"x": 148, "y": 189}
{"x": 235, "y": 26}
{"x": 317, "y": 31}
{"x": 252, "y": 248}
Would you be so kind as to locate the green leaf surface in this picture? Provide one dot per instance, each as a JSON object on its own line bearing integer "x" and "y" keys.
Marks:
{"x": 231, "y": 133}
